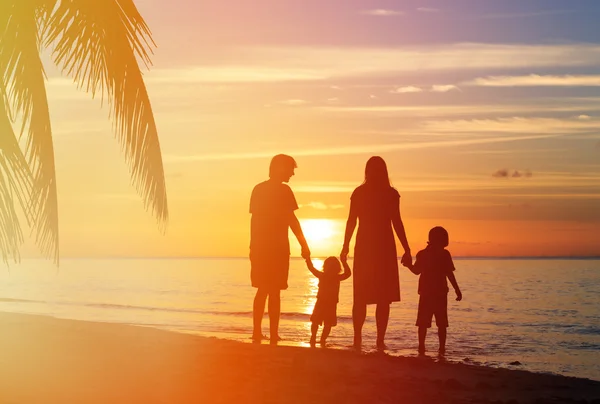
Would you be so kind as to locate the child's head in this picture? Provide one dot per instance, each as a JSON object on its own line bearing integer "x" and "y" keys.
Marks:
{"x": 332, "y": 266}
{"x": 438, "y": 237}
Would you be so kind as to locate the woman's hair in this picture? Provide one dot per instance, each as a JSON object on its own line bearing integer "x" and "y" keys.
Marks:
{"x": 281, "y": 163}
{"x": 438, "y": 236}
{"x": 332, "y": 266}
{"x": 376, "y": 173}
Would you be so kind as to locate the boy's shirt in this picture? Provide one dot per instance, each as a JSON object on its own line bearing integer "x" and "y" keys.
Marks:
{"x": 434, "y": 264}
{"x": 271, "y": 204}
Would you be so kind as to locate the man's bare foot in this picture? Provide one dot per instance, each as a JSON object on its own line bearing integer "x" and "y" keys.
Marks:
{"x": 323, "y": 342}
{"x": 421, "y": 350}
{"x": 313, "y": 341}
{"x": 381, "y": 345}
{"x": 442, "y": 352}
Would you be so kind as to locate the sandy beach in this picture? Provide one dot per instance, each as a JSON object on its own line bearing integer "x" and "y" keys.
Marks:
{"x": 47, "y": 360}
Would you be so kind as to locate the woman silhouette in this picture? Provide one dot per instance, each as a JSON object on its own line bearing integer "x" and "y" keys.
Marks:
{"x": 376, "y": 205}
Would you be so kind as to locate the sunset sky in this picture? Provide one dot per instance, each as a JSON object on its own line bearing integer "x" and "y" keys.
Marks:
{"x": 487, "y": 113}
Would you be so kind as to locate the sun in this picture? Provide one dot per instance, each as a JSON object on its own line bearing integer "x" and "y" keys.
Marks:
{"x": 318, "y": 230}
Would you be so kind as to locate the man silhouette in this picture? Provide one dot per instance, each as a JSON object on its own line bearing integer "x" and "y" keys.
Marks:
{"x": 272, "y": 206}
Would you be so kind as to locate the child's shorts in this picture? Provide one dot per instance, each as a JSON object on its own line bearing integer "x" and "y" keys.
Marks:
{"x": 429, "y": 306}
{"x": 324, "y": 312}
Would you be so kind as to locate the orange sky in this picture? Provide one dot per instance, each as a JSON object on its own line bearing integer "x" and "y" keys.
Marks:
{"x": 455, "y": 115}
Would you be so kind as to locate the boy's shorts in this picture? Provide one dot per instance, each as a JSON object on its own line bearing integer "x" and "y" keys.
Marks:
{"x": 429, "y": 306}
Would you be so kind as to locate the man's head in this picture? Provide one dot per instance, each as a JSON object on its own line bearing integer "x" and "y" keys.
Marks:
{"x": 282, "y": 168}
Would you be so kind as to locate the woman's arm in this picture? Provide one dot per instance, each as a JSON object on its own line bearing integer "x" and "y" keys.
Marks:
{"x": 350, "y": 226}
{"x": 347, "y": 272}
{"x": 401, "y": 233}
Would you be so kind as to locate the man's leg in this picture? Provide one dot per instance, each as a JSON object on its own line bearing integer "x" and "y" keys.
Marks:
{"x": 313, "y": 330}
{"x": 325, "y": 333}
{"x": 274, "y": 313}
{"x": 359, "y": 314}
{"x": 382, "y": 316}
{"x": 422, "y": 335}
{"x": 258, "y": 313}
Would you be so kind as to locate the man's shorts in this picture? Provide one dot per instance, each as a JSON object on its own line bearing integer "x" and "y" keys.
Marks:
{"x": 430, "y": 306}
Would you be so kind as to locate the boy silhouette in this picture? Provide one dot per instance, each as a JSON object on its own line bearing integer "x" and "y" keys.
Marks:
{"x": 272, "y": 206}
{"x": 435, "y": 265}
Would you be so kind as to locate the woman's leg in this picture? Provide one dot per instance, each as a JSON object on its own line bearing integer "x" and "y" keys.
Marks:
{"x": 359, "y": 314}
{"x": 382, "y": 316}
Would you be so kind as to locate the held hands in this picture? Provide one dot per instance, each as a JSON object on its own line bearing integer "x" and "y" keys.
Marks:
{"x": 344, "y": 253}
{"x": 458, "y": 295}
{"x": 305, "y": 252}
{"x": 406, "y": 259}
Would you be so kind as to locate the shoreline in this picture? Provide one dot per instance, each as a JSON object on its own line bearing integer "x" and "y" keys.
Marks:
{"x": 50, "y": 360}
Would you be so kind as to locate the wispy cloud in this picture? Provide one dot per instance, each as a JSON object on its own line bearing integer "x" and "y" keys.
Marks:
{"x": 380, "y": 12}
{"x": 444, "y": 88}
{"x": 505, "y": 173}
{"x": 573, "y": 105}
{"x": 540, "y": 13}
{"x": 407, "y": 89}
{"x": 294, "y": 102}
{"x": 513, "y": 125}
{"x": 232, "y": 74}
{"x": 353, "y": 150}
{"x": 290, "y": 64}
{"x": 322, "y": 206}
{"x": 534, "y": 80}
{"x": 428, "y": 10}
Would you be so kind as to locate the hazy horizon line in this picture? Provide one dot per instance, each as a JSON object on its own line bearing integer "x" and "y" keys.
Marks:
{"x": 587, "y": 257}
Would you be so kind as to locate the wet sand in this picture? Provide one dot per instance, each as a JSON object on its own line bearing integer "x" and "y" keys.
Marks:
{"x": 46, "y": 360}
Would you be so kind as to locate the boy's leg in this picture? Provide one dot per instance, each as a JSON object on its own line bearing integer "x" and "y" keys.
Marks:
{"x": 441, "y": 320}
{"x": 258, "y": 312}
{"x": 359, "y": 314}
{"x": 274, "y": 312}
{"x": 313, "y": 329}
{"x": 422, "y": 335}
{"x": 382, "y": 316}
{"x": 325, "y": 333}
{"x": 442, "y": 337}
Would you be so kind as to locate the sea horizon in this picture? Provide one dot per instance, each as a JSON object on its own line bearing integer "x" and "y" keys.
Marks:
{"x": 479, "y": 257}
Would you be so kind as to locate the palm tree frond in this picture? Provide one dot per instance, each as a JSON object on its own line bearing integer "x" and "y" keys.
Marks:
{"x": 15, "y": 183}
{"x": 22, "y": 70}
{"x": 96, "y": 43}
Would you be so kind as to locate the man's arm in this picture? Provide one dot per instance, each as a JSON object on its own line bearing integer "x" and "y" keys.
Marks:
{"x": 297, "y": 230}
{"x": 347, "y": 272}
{"x": 312, "y": 268}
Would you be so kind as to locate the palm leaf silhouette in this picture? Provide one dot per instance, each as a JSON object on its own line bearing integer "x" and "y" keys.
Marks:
{"x": 97, "y": 43}
{"x": 15, "y": 181}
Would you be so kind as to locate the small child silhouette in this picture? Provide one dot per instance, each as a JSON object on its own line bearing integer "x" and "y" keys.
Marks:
{"x": 325, "y": 311}
{"x": 435, "y": 265}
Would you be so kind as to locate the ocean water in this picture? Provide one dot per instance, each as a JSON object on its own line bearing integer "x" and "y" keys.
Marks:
{"x": 543, "y": 313}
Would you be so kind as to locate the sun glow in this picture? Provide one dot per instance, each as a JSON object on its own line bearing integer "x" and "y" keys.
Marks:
{"x": 318, "y": 230}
